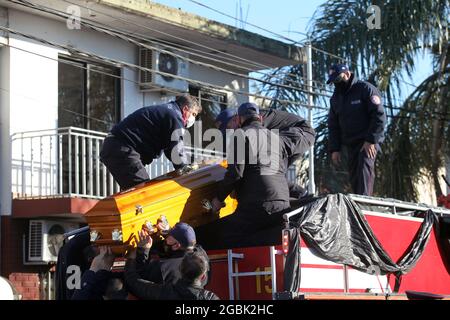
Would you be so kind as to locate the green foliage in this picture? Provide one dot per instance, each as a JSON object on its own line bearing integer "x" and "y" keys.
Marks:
{"x": 418, "y": 131}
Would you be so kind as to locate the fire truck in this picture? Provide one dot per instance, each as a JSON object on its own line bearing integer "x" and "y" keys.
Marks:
{"x": 301, "y": 258}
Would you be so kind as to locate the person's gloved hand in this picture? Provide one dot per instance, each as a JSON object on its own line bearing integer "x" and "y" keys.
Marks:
{"x": 216, "y": 205}
{"x": 186, "y": 169}
{"x": 145, "y": 240}
{"x": 104, "y": 260}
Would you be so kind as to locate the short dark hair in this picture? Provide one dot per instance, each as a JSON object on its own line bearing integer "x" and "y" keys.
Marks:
{"x": 252, "y": 117}
{"x": 193, "y": 266}
{"x": 115, "y": 289}
{"x": 190, "y": 101}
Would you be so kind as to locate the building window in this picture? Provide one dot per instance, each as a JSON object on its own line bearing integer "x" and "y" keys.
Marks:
{"x": 88, "y": 98}
{"x": 212, "y": 102}
{"x": 88, "y": 95}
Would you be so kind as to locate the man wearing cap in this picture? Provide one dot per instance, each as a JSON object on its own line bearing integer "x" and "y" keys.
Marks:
{"x": 258, "y": 179}
{"x": 180, "y": 240}
{"x": 356, "y": 123}
{"x": 144, "y": 135}
{"x": 193, "y": 270}
{"x": 296, "y": 135}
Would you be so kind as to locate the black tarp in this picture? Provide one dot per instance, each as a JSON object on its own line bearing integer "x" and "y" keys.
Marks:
{"x": 292, "y": 274}
{"x": 336, "y": 229}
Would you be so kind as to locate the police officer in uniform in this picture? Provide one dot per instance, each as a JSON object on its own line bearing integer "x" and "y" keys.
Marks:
{"x": 356, "y": 122}
{"x": 258, "y": 179}
{"x": 144, "y": 135}
{"x": 296, "y": 135}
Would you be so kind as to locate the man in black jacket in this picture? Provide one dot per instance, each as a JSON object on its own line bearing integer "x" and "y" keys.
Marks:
{"x": 356, "y": 121}
{"x": 296, "y": 135}
{"x": 180, "y": 240}
{"x": 193, "y": 269}
{"x": 72, "y": 253}
{"x": 144, "y": 135}
{"x": 257, "y": 174}
{"x": 99, "y": 283}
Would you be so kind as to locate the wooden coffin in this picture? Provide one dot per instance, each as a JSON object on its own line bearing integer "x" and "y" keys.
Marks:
{"x": 116, "y": 220}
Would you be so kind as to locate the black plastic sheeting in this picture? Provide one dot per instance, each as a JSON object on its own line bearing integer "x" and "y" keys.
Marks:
{"x": 292, "y": 273}
{"x": 335, "y": 229}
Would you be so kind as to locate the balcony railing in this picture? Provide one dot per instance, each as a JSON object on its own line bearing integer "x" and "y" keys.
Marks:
{"x": 66, "y": 162}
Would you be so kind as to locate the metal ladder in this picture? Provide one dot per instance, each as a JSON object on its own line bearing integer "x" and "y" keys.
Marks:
{"x": 231, "y": 256}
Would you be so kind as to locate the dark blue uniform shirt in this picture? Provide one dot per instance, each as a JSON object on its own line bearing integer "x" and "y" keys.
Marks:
{"x": 356, "y": 115}
{"x": 152, "y": 130}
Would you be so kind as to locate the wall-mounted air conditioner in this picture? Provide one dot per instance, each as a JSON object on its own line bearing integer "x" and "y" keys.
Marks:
{"x": 163, "y": 62}
{"x": 45, "y": 238}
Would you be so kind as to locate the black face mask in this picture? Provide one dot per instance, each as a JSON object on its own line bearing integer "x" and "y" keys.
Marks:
{"x": 341, "y": 85}
{"x": 168, "y": 249}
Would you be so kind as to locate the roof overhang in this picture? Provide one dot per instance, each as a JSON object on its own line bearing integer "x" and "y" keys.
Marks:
{"x": 163, "y": 23}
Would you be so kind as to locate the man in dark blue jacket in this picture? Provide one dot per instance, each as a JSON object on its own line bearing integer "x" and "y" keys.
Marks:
{"x": 256, "y": 172}
{"x": 144, "y": 135}
{"x": 296, "y": 135}
{"x": 356, "y": 121}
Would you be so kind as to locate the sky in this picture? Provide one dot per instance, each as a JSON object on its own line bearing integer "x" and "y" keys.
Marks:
{"x": 278, "y": 16}
{"x": 284, "y": 17}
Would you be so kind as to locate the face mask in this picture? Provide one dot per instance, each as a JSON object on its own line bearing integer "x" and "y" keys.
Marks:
{"x": 339, "y": 79}
{"x": 340, "y": 83}
{"x": 167, "y": 249}
{"x": 190, "y": 121}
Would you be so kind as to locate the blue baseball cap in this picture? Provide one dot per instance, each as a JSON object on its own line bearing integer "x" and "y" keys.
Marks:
{"x": 184, "y": 234}
{"x": 335, "y": 70}
{"x": 224, "y": 117}
{"x": 248, "y": 109}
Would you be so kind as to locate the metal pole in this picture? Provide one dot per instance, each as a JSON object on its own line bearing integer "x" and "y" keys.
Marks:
{"x": 91, "y": 168}
{"x": 5, "y": 134}
{"x": 83, "y": 165}
{"x": 274, "y": 271}
{"x": 97, "y": 168}
{"x": 230, "y": 274}
{"x": 77, "y": 163}
{"x": 49, "y": 285}
{"x": 311, "y": 184}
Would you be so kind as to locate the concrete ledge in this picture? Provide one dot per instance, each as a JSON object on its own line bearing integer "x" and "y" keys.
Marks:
{"x": 209, "y": 27}
{"x": 60, "y": 207}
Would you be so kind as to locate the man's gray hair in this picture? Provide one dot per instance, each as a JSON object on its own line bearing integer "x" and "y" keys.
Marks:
{"x": 190, "y": 101}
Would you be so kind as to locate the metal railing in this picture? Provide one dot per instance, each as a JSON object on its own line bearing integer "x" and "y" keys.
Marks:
{"x": 60, "y": 162}
{"x": 66, "y": 162}
{"x": 234, "y": 274}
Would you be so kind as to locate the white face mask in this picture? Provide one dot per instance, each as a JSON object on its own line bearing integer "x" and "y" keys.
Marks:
{"x": 190, "y": 121}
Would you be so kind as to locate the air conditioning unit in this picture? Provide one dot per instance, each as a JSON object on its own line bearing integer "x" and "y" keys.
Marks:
{"x": 163, "y": 62}
{"x": 45, "y": 238}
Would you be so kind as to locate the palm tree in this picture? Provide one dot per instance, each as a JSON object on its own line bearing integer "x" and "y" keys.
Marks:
{"x": 418, "y": 131}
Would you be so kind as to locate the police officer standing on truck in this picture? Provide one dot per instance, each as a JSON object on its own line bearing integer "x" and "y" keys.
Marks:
{"x": 356, "y": 122}
{"x": 144, "y": 135}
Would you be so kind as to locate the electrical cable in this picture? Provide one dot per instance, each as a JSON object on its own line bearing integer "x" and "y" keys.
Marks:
{"x": 133, "y": 66}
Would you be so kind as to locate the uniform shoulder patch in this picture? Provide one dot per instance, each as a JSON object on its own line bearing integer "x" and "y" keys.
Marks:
{"x": 375, "y": 99}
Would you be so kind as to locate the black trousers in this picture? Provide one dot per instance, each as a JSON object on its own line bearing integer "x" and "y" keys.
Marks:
{"x": 361, "y": 169}
{"x": 296, "y": 142}
{"x": 123, "y": 162}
